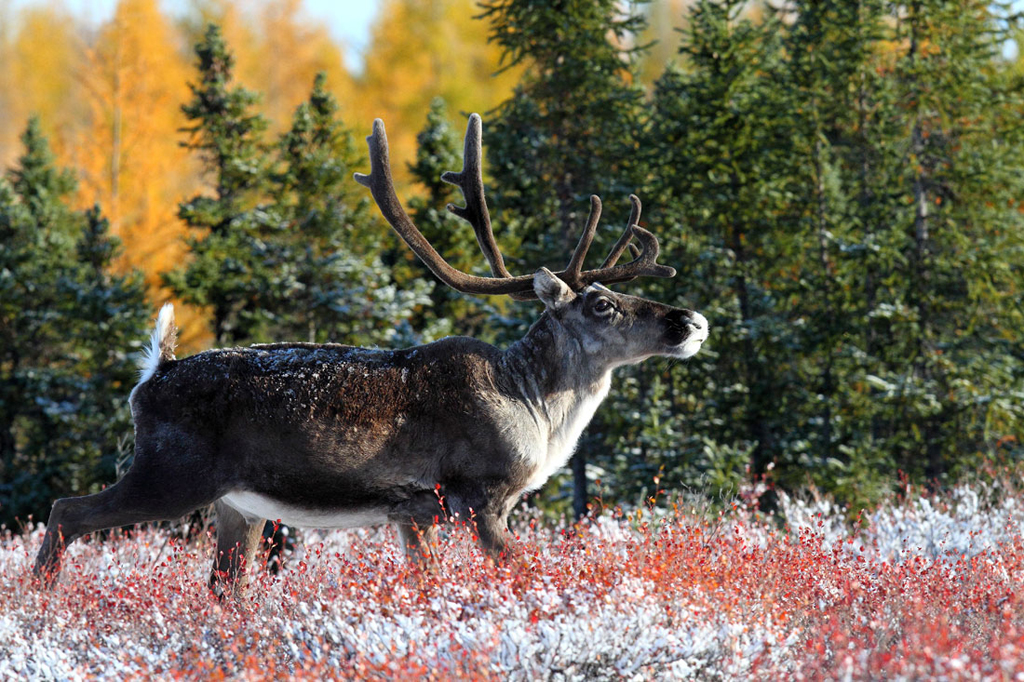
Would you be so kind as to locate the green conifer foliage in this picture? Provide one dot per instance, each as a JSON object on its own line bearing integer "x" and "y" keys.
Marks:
{"x": 285, "y": 248}
{"x": 228, "y": 224}
{"x": 328, "y": 280}
{"x": 948, "y": 383}
{"x": 570, "y": 130}
{"x": 846, "y": 177}
{"x": 720, "y": 154}
{"x": 68, "y": 330}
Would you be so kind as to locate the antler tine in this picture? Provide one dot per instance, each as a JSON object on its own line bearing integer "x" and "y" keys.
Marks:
{"x": 645, "y": 261}
{"x": 627, "y": 235}
{"x": 471, "y": 181}
{"x": 573, "y": 271}
{"x": 645, "y": 265}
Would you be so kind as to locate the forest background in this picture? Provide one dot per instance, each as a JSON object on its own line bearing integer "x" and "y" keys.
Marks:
{"x": 839, "y": 184}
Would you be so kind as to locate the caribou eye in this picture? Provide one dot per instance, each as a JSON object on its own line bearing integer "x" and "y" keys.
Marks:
{"x": 602, "y": 306}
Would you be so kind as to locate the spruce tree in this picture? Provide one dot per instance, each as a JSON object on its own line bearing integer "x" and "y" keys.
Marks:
{"x": 720, "y": 151}
{"x": 849, "y": 185}
{"x": 285, "y": 247}
{"x": 946, "y": 372}
{"x": 830, "y": 72}
{"x": 69, "y": 328}
{"x": 570, "y": 130}
{"x": 327, "y": 280}
{"x": 226, "y": 268}
{"x": 439, "y": 150}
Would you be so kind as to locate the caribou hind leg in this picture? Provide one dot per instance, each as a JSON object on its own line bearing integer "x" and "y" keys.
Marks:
{"x": 142, "y": 495}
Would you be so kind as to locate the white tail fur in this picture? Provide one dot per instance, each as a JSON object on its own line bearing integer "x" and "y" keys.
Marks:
{"x": 161, "y": 344}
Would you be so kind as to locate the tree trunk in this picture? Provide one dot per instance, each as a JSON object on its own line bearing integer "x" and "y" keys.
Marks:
{"x": 921, "y": 276}
{"x": 866, "y": 200}
{"x": 757, "y": 429}
{"x": 827, "y": 380}
{"x": 579, "y": 485}
{"x": 7, "y": 449}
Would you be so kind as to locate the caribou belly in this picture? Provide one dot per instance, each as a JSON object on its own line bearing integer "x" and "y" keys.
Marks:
{"x": 255, "y": 506}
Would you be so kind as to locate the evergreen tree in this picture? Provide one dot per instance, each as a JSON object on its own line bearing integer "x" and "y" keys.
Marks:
{"x": 438, "y": 150}
{"x": 226, "y": 264}
{"x": 286, "y": 247}
{"x": 831, "y": 75}
{"x": 570, "y": 130}
{"x": 721, "y": 154}
{"x": 68, "y": 327}
{"x": 328, "y": 281}
{"x": 849, "y": 183}
{"x": 945, "y": 371}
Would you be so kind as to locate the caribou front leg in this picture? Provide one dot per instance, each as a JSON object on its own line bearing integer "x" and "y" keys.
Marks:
{"x": 487, "y": 511}
{"x": 492, "y": 530}
{"x": 417, "y": 523}
{"x": 419, "y": 542}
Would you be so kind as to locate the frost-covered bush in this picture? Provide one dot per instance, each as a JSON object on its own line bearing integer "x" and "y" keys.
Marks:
{"x": 966, "y": 520}
{"x": 929, "y": 587}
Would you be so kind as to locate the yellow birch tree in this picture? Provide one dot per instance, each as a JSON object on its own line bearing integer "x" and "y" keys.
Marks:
{"x": 294, "y": 50}
{"x": 127, "y": 152}
{"x": 420, "y": 50}
{"x": 278, "y": 51}
{"x": 8, "y": 136}
{"x": 39, "y": 63}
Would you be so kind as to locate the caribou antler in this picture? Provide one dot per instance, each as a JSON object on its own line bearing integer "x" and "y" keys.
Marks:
{"x": 470, "y": 181}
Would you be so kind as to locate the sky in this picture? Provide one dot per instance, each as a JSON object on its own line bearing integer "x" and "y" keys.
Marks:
{"x": 348, "y": 20}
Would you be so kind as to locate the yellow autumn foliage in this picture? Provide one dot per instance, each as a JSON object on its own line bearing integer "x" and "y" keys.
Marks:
{"x": 40, "y": 53}
{"x": 109, "y": 96}
{"x": 278, "y": 51}
{"x": 420, "y": 50}
{"x": 125, "y": 149}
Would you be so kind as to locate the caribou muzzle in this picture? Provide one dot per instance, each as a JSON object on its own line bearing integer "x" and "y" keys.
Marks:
{"x": 685, "y": 331}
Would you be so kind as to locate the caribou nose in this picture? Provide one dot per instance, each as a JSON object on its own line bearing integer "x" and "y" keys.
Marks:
{"x": 685, "y": 326}
{"x": 699, "y": 322}
{"x": 688, "y": 330}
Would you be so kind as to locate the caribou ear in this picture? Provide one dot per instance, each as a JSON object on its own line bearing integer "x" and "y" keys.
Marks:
{"x": 555, "y": 293}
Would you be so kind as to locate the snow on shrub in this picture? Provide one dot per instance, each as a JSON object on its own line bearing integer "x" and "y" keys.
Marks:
{"x": 929, "y": 587}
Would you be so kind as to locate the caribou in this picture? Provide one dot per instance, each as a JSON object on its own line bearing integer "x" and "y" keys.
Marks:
{"x": 335, "y": 436}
